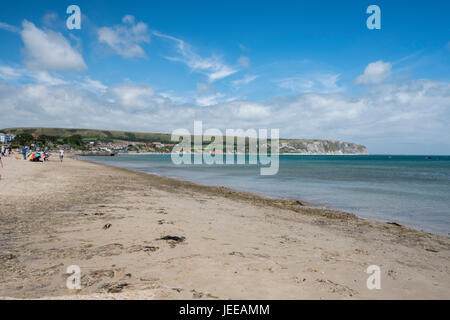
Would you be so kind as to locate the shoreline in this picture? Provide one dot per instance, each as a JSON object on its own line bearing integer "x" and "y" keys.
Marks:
{"x": 231, "y": 244}
{"x": 283, "y": 203}
{"x": 411, "y": 226}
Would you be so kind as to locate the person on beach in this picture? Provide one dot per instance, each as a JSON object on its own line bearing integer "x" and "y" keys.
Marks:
{"x": 1, "y": 163}
{"x": 61, "y": 155}
{"x": 24, "y": 152}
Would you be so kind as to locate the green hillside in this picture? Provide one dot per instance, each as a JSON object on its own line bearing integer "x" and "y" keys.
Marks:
{"x": 93, "y": 135}
{"x": 103, "y": 135}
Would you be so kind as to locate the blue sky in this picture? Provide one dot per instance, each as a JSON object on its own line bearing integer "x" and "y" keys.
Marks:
{"x": 311, "y": 68}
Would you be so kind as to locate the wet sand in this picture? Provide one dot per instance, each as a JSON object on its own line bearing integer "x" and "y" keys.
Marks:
{"x": 138, "y": 236}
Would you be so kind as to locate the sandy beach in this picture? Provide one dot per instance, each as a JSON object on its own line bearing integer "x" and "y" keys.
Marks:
{"x": 140, "y": 236}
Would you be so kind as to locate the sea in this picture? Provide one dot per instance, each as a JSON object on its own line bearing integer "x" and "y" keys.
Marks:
{"x": 412, "y": 190}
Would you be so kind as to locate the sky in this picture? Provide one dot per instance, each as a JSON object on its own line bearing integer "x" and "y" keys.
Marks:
{"x": 312, "y": 69}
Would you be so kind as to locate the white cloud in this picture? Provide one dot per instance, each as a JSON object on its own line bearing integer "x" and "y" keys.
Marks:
{"x": 93, "y": 85}
{"x": 209, "y": 100}
{"x": 251, "y": 110}
{"x": 8, "y": 73}
{"x": 323, "y": 83}
{"x": 330, "y": 82}
{"x": 125, "y": 39}
{"x": 245, "y": 80}
{"x": 133, "y": 97}
{"x": 207, "y": 95}
{"x": 48, "y": 50}
{"x": 213, "y": 67}
{"x": 62, "y": 106}
{"x": 386, "y": 118}
{"x": 21, "y": 75}
{"x": 171, "y": 96}
{"x": 375, "y": 72}
{"x": 45, "y": 78}
{"x": 8, "y": 27}
{"x": 129, "y": 19}
{"x": 36, "y": 76}
{"x": 415, "y": 111}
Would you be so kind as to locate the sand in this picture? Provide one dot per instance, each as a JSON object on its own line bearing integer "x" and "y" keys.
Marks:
{"x": 230, "y": 245}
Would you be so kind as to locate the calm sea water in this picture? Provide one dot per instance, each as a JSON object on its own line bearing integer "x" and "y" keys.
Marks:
{"x": 412, "y": 190}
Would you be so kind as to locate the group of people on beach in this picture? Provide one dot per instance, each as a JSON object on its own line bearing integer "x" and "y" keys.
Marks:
{"x": 45, "y": 154}
{"x": 6, "y": 151}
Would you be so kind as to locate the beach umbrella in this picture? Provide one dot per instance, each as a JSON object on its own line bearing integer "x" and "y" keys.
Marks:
{"x": 33, "y": 155}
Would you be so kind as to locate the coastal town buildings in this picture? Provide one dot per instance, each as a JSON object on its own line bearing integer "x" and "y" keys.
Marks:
{"x": 6, "y": 138}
